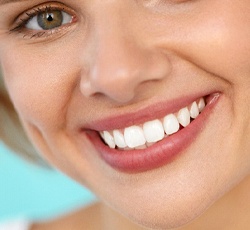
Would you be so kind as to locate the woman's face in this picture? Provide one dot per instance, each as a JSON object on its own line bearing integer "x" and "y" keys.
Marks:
{"x": 77, "y": 68}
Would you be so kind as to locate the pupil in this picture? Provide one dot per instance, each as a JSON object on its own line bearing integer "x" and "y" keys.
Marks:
{"x": 50, "y": 17}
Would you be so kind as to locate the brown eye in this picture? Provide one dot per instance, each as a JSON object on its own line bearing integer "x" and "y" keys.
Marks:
{"x": 48, "y": 20}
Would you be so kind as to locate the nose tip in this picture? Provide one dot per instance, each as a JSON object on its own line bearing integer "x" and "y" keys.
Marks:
{"x": 115, "y": 84}
{"x": 119, "y": 78}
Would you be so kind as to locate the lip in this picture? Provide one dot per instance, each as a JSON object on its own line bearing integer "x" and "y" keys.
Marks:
{"x": 142, "y": 115}
{"x": 160, "y": 153}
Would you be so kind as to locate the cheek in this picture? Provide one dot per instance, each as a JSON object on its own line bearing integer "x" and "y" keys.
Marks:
{"x": 224, "y": 56}
{"x": 231, "y": 55}
{"x": 39, "y": 86}
{"x": 219, "y": 42}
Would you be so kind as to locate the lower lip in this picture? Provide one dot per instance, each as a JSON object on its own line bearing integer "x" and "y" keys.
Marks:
{"x": 157, "y": 155}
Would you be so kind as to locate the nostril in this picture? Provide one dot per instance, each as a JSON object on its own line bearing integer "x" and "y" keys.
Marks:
{"x": 119, "y": 74}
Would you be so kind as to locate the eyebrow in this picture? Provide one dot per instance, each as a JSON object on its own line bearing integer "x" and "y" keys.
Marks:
{"x": 2, "y": 2}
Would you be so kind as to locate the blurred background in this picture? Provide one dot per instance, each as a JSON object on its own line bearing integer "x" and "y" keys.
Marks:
{"x": 27, "y": 191}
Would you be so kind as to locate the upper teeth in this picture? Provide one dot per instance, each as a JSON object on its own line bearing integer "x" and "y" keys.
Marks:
{"x": 141, "y": 136}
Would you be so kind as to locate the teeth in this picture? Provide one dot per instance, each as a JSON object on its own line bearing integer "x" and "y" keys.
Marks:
{"x": 201, "y": 104}
{"x": 145, "y": 135}
{"x": 184, "y": 117}
{"x": 194, "y": 110}
{"x": 119, "y": 139}
{"x": 134, "y": 136}
{"x": 109, "y": 139}
{"x": 153, "y": 131}
{"x": 171, "y": 124}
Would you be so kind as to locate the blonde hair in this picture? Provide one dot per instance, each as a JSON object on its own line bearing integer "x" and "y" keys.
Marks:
{"x": 11, "y": 131}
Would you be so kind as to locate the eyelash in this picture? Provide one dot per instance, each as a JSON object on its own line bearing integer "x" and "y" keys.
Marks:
{"x": 24, "y": 18}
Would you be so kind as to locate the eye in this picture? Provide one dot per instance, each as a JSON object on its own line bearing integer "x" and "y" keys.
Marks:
{"x": 48, "y": 20}
{"x": 45, "y": 21}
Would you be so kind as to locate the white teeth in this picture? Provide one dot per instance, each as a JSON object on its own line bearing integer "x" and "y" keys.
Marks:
{"x": 119, "y": 139}
{"x": 171, "y": 124}
{"x": 184, "y": 117}
{"x": 109, "y": 139}
{"x": 201, "y": 104}
{"x": 153, "y": 131}
{"x": 194, "y": 110}
{"x": 134, "y": 136}
{"x": 145, "y": 135}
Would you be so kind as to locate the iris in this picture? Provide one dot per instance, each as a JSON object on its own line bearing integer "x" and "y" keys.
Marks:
{"x": 50, "y": 20}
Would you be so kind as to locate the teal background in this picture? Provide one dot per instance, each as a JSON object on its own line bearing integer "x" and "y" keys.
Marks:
{"x": 28, "y": 191}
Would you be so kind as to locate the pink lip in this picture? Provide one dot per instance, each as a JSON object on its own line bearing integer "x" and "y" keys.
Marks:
{"x": 157, "y": 110}
{"x": 159, "y": 154}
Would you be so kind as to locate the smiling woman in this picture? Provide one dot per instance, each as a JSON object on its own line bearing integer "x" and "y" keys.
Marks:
{"x": 142, "y": 101}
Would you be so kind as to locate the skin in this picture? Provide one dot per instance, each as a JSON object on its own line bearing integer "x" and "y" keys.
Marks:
{"x": 152, "y": 51}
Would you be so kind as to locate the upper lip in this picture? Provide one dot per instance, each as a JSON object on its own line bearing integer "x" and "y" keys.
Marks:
{"x": 147, "y": 113}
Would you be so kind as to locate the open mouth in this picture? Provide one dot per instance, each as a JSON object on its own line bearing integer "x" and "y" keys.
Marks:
{"x": 153, "y": 142}
{"x": 144, "y": 135}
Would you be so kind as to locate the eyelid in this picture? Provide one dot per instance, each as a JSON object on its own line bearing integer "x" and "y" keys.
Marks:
{"x": 22, "y": 19}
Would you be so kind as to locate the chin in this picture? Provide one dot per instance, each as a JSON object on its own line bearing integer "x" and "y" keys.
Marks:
{"x": 184, "y": 206}
{"x": 172, "y": 217}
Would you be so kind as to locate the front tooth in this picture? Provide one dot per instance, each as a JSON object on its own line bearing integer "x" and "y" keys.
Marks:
{"x": 194, "y": 110}
{"x": 184, "y": 117}
{"x": 171, "y": 124}
{"x": 201, "y": 104}
{"x": 134, "y": 136}
{"x": 153, "y": 131}
{"x": 119, "y": 139}
{"x": 108, "y": 138}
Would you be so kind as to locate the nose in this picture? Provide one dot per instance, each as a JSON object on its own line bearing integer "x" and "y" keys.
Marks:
{"x": 120, "y": 63}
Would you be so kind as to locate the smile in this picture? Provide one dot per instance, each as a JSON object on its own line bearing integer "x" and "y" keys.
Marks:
{"x": 153, "y": 142}
{"x": 144, "y": 135}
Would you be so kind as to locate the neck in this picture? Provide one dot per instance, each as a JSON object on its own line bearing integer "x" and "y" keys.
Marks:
{"x": 111, "y": 220}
